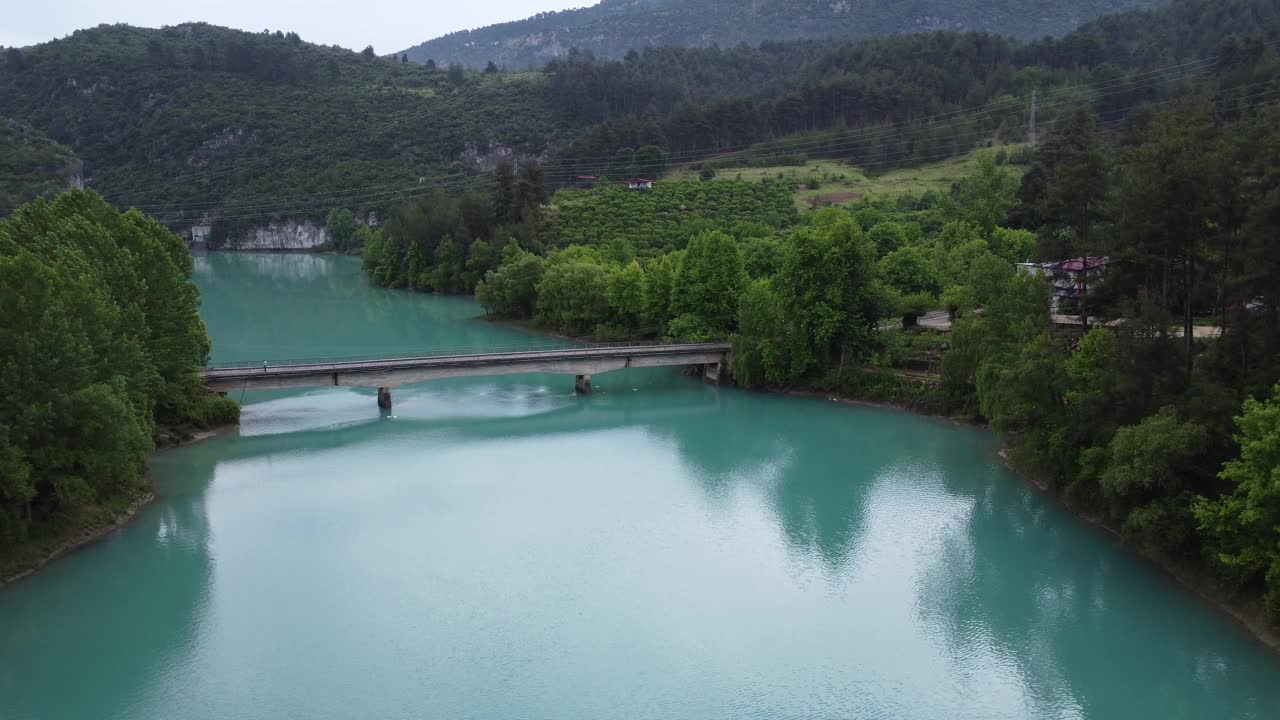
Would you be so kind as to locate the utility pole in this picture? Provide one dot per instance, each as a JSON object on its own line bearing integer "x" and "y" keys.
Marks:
{"x": 1031, "y": 130}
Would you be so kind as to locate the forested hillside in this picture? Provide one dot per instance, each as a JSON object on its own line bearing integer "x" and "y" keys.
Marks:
{"x": 613, "y": 27}
{"x": 197, "y": 113}
{"x": 32, "y": 165}
{"x": 203, "y": 125}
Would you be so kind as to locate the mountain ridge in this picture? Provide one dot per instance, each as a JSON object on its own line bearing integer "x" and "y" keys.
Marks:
{"x": 611, "y": 28}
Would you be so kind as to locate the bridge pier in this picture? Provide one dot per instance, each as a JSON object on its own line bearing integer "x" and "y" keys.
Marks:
{"x": 582, "y": 384}
{"x": 384, "y": 398}
{"x": 716, "y": 373}
{"x": 711, "y": 373}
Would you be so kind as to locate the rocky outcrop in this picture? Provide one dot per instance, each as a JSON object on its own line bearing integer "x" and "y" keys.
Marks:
{"x": 206, "y": 233}
{"x": 486, "y": 159}
{"x": 282, "y": 235}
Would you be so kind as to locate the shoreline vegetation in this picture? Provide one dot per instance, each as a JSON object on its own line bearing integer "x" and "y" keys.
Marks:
{"x": 104, "y": 344}
{"x": 91, "y": 525}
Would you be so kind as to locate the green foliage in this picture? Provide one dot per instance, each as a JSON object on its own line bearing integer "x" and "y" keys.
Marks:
{"x": 195, "y": 113}
{"x": 887, "y": 236}
{"x": 827, "y": 293}
{"x": 511, "y": 289}
{"x": 1243, "y": 526}
{"x": 571, "y": 296}
{"x": 625, "y": 291}
{"x": 341, "y": 229}
{"x": 613, "y": 29}
{"x": 102, "y": 336}
{"x": 762, "y": 256}
{"x": 708, "y": 282}
{"x": 986, "y": 197}
{"x": 31, "y": 165}
{"x": 1014, "y": 246}
{"x": 664, "y": 218}
{"x": 211, "y": 410}
{"x": 760, "y": 334}
{"x": 1150, "y": 463}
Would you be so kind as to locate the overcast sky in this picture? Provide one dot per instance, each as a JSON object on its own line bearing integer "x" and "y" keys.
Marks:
{"x": 388, "y": 25}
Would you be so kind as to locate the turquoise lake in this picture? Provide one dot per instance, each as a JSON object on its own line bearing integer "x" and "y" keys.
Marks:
{"x": 500, "y": 547}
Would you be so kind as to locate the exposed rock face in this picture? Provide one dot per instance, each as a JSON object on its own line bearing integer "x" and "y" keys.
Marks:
{"x": 75, "y": 175}
{"x": 282, "y": 235}
{"x": 486, "y": 159}
{"x": 275, "y": 235}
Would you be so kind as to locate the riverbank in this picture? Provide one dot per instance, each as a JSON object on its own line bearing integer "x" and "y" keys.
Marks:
{"x": 1247, "y": 612}
{"x": 92, "y": 523}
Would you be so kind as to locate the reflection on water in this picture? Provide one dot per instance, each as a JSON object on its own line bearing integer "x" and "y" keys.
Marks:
{"x": 502, "y": 548}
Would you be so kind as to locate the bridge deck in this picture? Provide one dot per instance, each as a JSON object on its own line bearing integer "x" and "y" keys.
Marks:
{"x": 402, "y": 370}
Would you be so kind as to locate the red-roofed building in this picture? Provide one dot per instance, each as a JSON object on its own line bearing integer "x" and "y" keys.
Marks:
{"x": 639, "y": 184}
{"x": 1069, "y": 277}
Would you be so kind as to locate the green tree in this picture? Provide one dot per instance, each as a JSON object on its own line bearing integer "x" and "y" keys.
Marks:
{"x": 449, "y": 267}
{"x": 341, "y": 229}
{"x": 1147, "y": 478}
{"x": 530, "y": 194}
{"x": 572, "y": 296}
{"x": 829, "y": 296}
{"x": 512, "y": 289}
{"x": 1243, "y": 526}
{"x": 650, "y": 161}
{"x": 987, "y": 195}
{"x": 757, "y": 345}
{"x": 504, "y": 192}
{"x": 659, "y": 281}
{"x": 1015, "y": 246}
{"x": 887, "y": 236}
{"x": 625, "y": 291}
{"x": 912, "y": 274}
{"x": 709, "y": 280}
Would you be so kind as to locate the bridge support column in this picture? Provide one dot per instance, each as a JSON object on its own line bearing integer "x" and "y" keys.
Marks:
{"x": 384, "y": 398}
{"x": 582, "y": 384}
{"x": 711, "y": 373}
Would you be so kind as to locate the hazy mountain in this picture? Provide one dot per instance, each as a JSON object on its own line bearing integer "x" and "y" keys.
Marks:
{"x": 613, "y": 27}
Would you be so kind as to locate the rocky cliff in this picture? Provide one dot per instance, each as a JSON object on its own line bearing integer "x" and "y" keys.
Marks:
{"x": 275, "y": 235}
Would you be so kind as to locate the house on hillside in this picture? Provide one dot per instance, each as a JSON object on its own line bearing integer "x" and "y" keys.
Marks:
{"x": 585, "y": 181}
{"x": 1070, "y": 278}
{"x": 639, "y": 184}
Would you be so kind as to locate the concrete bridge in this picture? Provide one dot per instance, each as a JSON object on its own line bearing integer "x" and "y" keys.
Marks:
{"x": 386, "y": 373}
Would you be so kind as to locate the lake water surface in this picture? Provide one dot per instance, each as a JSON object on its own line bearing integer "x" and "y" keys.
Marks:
{"x": 501, "y": 548}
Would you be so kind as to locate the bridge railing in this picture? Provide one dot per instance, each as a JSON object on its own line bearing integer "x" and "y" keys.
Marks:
{"x": 549, "y": 345}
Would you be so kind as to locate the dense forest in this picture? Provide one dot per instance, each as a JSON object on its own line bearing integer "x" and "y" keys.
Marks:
{"x": 102, "y": 338}
{"x": 199, "y": 124}
{"x": 613, "y": 27}
{"x": 195, "y": 119}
